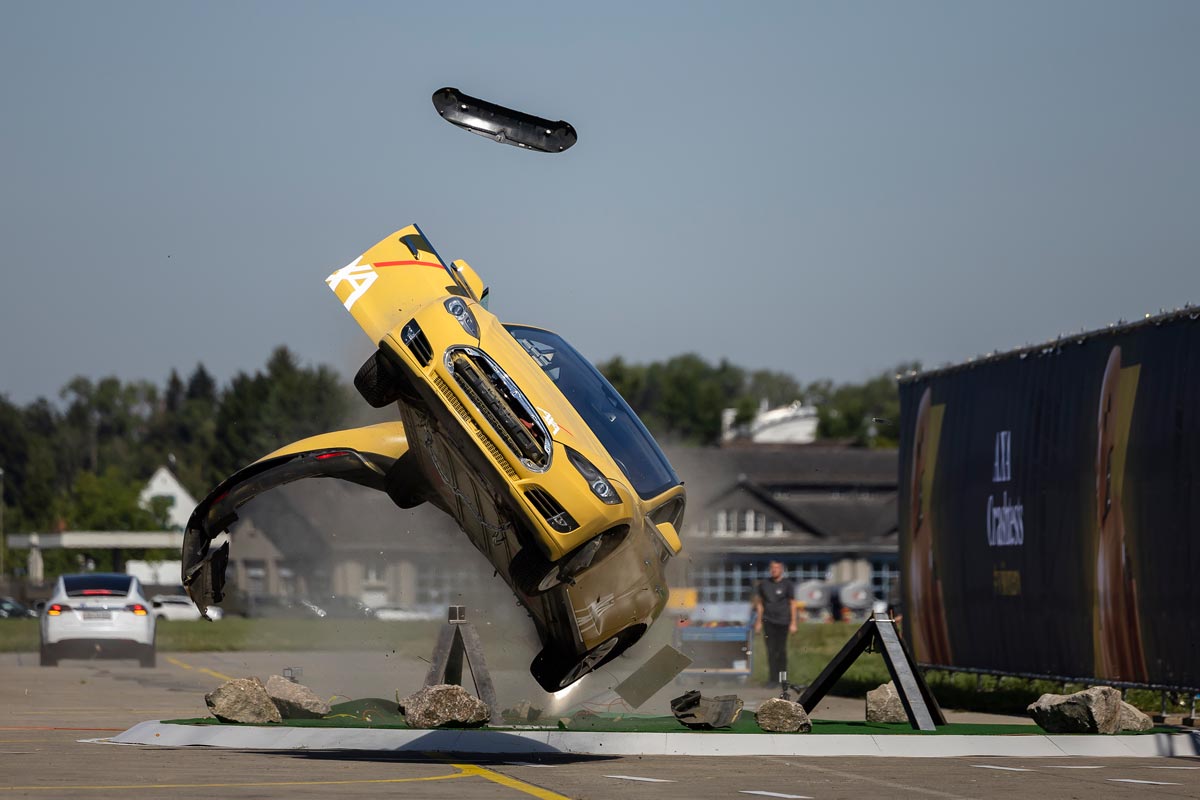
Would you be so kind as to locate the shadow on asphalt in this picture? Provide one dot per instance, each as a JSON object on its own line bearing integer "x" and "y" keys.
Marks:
{"x": 482, "y": 759}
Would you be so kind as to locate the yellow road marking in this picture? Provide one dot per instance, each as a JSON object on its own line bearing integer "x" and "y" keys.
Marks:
{"x": 512, "y": 783}
{"x": 126, "y": 787}
{"x": 206, "y": 671}
{"x": 463, "y": 771}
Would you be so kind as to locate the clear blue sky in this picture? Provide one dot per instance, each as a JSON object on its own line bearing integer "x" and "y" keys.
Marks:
{"x": 821, "y": 188}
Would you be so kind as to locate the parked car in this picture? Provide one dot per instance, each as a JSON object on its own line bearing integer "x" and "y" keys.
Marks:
{"x": 179, "y": 607}
{"x": 11, "y": 609}
{"x": 272, "y": 606}
{"x": 97, "y": 615}
{"x": 342, "y": 607}
{"x": 510, "y": 431}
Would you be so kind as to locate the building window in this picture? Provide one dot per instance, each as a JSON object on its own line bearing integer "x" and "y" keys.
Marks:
{"x": 374, "y": 573}
{"x": 756, "y": 524}
{"x": 884, "y": 575}
{"x": 734, "y": 581}
{"x": 723, "y": 519}
{"x": 777, "y": 528}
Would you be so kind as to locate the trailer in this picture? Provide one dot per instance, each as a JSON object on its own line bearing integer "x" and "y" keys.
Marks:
{"x": 719, "y": 639}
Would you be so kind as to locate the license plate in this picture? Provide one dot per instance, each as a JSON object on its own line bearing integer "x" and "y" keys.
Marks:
{"x": 97, "y": 615}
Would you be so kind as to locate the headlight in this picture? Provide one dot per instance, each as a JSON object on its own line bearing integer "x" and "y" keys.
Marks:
{"x": 596, "y": 482}
{"x": 457, "y": 308}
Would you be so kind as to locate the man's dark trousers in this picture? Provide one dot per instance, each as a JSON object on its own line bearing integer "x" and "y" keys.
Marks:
{"x": 776, "y": 636}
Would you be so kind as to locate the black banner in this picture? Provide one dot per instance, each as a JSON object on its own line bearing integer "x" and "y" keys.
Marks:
{"x": 1050, "y": 508}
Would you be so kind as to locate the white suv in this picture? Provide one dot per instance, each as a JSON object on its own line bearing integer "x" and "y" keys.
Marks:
{"x": 179, "y": 607}
{"x": 95, "y": 615}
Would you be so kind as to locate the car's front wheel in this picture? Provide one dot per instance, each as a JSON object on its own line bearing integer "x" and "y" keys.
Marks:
{"x": 555, "y": 672}
{"x": 533, "y": 573}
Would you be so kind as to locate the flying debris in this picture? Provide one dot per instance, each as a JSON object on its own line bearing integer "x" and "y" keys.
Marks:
{"x": 504, "y": 125}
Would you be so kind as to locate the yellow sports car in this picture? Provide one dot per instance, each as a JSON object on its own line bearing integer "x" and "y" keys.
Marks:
{"x": 507, "y": 429}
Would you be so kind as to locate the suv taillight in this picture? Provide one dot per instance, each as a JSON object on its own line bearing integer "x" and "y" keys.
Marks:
{"x": 138, "y": 609}
{"x": 56, "y": 609}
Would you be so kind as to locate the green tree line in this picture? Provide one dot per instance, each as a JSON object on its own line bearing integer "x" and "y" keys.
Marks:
{"x": 681, "y": 399}
{"x": 81, "y": 463}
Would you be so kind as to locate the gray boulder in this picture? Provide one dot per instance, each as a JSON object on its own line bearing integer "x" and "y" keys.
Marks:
{"x": 242, "y": 700}
{"x": 782, "y": 716}
{"x": 1132, "y": 719}
{"x": 1096, "y": 709}
{"x": 884, "y": 704}
{"x": 444, "y": 704}
{"x": 295, "y": 700}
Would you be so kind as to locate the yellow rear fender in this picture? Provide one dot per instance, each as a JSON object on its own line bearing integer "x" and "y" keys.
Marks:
{"x": 370, "y": 456}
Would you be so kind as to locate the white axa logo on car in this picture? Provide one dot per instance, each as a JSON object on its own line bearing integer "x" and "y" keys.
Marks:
{"x": 359, "y": 276}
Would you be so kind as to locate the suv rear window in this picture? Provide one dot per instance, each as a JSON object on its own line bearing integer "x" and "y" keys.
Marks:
{"x": 79, "y": 585}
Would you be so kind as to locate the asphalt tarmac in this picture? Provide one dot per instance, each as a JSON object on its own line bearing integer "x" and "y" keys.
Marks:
{"x": 51, "y": 717}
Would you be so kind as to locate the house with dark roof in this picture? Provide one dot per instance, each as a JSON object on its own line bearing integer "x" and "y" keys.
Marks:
{"x": 828, "y": 513}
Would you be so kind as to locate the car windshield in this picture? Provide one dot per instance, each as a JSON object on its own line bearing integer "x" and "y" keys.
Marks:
{"x": 602, "y": 408}
{"x": 99, "y": 584}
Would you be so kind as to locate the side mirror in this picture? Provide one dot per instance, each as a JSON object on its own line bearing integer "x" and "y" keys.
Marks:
{"x": 670, "y": 537}
{"x": 157, "y": 604}
{"x": 464, "y": 274}
{"x": 504, "y": 125}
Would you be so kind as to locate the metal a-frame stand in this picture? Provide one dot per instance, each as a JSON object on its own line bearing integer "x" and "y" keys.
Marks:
{"x": 922, "y": 708}
{"x": 459, "y": 642}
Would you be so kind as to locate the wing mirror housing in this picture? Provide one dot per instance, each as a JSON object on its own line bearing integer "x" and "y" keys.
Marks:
{"x": 466, "y": 277}
{"x": 670, "y": 537}
{"x": 504, "y": 125}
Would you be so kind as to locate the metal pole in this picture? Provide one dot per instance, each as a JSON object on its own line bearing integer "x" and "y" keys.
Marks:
{"x": 3, "y": 543}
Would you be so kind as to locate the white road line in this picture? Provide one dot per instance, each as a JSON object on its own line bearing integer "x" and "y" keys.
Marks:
{"x": 1150, "y": 783}
{"x": 1073, "y": 766}
{"x": 775, "y": 794}
{"x": 1006, "y": 769}
{"x": 635, "y": 778}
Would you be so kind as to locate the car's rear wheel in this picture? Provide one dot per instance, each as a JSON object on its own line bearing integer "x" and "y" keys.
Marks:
{"x": 47, "y": 657}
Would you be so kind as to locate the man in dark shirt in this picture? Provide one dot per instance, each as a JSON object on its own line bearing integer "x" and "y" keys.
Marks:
{"x": 775, "y": 617}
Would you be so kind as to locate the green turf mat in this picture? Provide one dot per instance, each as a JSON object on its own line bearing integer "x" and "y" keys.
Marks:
{"x": 380, "y": 713}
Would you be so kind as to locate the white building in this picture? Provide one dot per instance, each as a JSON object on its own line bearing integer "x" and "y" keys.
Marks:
{"x": 791, "y": 424}
{"x": 164, "y": 484}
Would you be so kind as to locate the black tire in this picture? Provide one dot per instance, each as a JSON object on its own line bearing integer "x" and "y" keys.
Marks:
{"x": 378, "y": 381}
{"x": 149, "y": 657}
{"x": 532, "y": 573}
{"x": 555, "y": 672}
{"x": 47, "y": 657}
